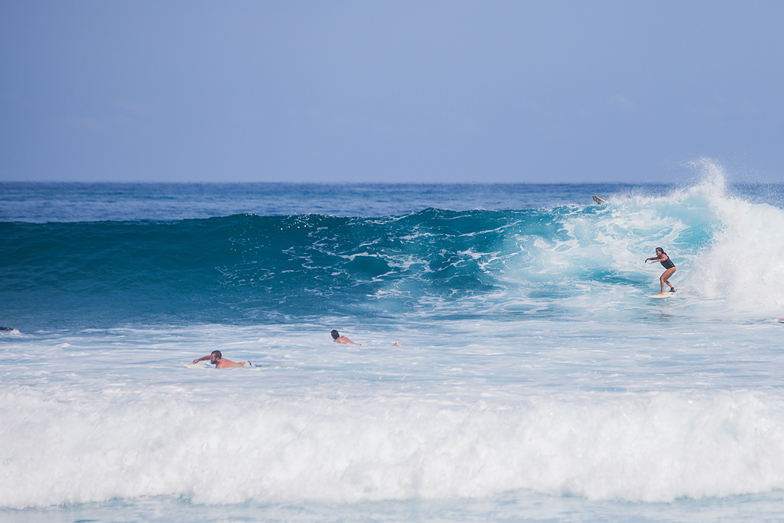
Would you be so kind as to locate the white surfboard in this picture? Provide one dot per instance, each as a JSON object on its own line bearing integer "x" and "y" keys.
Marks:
{"x": 195, "y": 366}
{"x": 665, "y": 295}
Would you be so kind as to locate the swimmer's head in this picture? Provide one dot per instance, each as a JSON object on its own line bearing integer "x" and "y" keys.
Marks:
{"x": 335, "y": 334}
{"x": 215, "y": 356}
{"x": 659, "y": 250}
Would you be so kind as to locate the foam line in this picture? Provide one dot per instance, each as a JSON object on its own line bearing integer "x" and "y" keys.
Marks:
{"x": 643, "y": 447}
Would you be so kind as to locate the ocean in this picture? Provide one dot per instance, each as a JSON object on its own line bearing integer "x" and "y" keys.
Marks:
{"x": 532, "y": 381}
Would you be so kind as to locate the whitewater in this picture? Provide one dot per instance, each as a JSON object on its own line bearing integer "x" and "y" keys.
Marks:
{"x": 534, "y": 381}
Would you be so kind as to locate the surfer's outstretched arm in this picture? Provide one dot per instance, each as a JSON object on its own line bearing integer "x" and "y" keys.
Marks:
{"x": 217, "y": 359}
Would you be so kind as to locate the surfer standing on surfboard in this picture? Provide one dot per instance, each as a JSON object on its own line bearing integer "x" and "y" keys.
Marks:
{"x": 669, "y": 267}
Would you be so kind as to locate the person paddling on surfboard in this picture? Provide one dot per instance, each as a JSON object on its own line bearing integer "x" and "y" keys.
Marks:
{"x": 669, "y": 267}
{"x": 217, "y": 359}
{"x": 337, "y": 338}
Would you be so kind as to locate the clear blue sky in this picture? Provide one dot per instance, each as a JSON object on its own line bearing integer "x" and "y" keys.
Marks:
{"x": 398, "y": 91}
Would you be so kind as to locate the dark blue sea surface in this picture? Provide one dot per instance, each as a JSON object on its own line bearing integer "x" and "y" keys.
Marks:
{"x": 69, "y": 202}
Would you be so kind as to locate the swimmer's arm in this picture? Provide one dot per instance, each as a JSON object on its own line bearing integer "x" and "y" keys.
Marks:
{"x": 202, "y": 359}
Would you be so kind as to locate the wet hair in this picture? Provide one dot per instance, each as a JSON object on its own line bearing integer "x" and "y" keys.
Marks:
{"x": 660, "y": 249}
{"x": 217, "y": 354}
{"x": 335, "y": 334}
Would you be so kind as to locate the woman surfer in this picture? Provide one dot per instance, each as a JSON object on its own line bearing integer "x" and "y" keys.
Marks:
{"x": 669, "y": 267}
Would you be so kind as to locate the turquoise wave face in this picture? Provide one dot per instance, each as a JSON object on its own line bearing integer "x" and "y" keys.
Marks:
{"x": 567, "y": 261}
{"x": 255, "y": 267}
{"x": 251, "y": 268}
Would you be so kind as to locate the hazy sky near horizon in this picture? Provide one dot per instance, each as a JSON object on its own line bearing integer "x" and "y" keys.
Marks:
{"x": 399, "y": 91}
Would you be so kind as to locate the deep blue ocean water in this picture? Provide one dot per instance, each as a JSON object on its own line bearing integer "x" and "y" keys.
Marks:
{"x": 534, "y": 381}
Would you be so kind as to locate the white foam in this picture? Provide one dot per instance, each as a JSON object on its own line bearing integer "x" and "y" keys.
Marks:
{"x": 74, "y": 447}
{"x": 745, "y": 262}
{"x": 725, "y": 247}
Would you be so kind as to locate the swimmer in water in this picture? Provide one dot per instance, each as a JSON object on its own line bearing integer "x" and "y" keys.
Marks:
{"x": 9, "y": 330}
{"x": 337, "y": 338}
{"x": 669, "y": 268}
{"x": 217, "y": 359}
